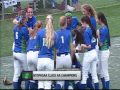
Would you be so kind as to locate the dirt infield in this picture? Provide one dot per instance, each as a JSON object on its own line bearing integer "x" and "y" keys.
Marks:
{"x": 6, "y": 67}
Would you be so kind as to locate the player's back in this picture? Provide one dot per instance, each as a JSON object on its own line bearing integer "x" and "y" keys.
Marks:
{"x": 64, "y": 39}
{"x": 44, "y": 51}
{"x": 21, "y": 36}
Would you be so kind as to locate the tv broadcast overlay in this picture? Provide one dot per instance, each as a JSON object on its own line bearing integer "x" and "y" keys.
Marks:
{"x": 52, "y": 75}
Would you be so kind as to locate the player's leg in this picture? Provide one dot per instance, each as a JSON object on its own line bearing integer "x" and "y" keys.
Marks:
{"x": 94, "y": 74}
{"x": 40, "y": 67}
{"x": 32, "y": 65}
{"x": 59, "y": 65}
{"x": 85, "y": 69}
{"x": 67, "y": 64}
{"x": 17, "y": 72}
{"x": 25, "y": 67}
{"x": 104, "y": 64}
{"x": 89, "y": 80}
{"x": 49, "y": 65}
{"x": 99, "y": 70}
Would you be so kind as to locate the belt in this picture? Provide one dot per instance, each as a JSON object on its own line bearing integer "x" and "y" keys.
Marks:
{"x": 59, "y": 54}
{"x": 32, "y": 50}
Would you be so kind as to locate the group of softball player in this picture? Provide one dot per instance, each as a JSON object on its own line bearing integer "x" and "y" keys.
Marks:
{"x": 38, "y": 48}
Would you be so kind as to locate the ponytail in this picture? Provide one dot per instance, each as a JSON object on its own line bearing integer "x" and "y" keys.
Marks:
{"x": 49, "y": 31}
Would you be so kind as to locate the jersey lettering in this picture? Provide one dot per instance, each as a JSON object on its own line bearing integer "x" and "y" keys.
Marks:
{"x": 44, "y": 42}
{"x": 16, "y": 35}
{"x": 62, "y": 39}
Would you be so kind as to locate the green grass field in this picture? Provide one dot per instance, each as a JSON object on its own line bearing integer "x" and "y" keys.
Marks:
{"x": 111, "y": 8}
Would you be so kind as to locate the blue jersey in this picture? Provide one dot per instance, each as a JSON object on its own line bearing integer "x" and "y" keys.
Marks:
{"x": 21, "y": 37}
{"x": 64, "y": 38}
{"x": 31, "y": 22}
{"x": 93, "y": 22}
{"x": 32, "y": 44}
{"x": 74, "y": 1}
{"x": 44, "y": 51}
{"x": 73, "y": 23}
{"x": 17, "y": 18}
{"x": 89, "y": 39}
{"x": 104, "y": 37}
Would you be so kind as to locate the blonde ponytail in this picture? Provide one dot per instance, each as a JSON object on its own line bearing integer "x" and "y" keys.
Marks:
{"x": 49, "y": 31}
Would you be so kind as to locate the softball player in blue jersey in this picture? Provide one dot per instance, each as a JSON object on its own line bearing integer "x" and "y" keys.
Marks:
{"x": 31, "y": 19}
{"x": 104, "y": 53}
{"x": 46, "y": 38}
{"x": 89, "y": 11}
{"x": 64, "y": 42}
{"x": 90, "y": 55}
{"x": 72, "y": 22}
{"x": 32, "y": 52}
{"x": 21, "y": 36}
{"x": 16, "y": 21}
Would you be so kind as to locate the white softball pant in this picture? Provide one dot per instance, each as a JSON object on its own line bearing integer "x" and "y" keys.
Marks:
{"x": 63, "y": 62}
{"x": 20, "y": 64}
{"x": 89, "y": 61}
{"x": 103, "y": 64}
{"x": 45, "y": 64}
{"x": 32, "y": 59}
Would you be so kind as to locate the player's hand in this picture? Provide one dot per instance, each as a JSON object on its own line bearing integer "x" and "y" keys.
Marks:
{"x": 30, "y": 30}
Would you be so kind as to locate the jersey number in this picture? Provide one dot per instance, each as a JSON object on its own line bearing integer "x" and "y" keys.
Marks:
{"x": 16, "y": 35}
{"x": 62, "y": 39}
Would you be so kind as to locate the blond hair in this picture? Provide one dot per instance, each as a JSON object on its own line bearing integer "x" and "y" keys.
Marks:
{"x": 89, "y": 8}
{"x": 37, "y": 26}
{"x": 63, "y": 21}
{"x": 49, "y": 31}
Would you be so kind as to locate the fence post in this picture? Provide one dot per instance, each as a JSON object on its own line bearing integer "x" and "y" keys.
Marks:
{"x": 3, "y": 10}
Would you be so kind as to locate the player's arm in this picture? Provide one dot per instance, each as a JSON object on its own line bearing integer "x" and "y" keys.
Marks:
{"x": 87, "y": 41}
{"x": 15, "y": 21}
{"x": 102, "y": 37}
{"x": 98, "y": 33}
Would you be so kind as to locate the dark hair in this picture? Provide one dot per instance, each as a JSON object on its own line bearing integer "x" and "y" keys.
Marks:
{"x": 86, "y": 19}
{"x": 103, "y": 19}
{"x": 79, "y": 39}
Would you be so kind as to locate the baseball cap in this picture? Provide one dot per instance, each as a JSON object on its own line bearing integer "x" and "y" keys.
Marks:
{"x": 68, "y": 14}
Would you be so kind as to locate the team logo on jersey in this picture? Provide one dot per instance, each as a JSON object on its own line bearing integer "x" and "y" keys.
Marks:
{"x": 93, "y": 40}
